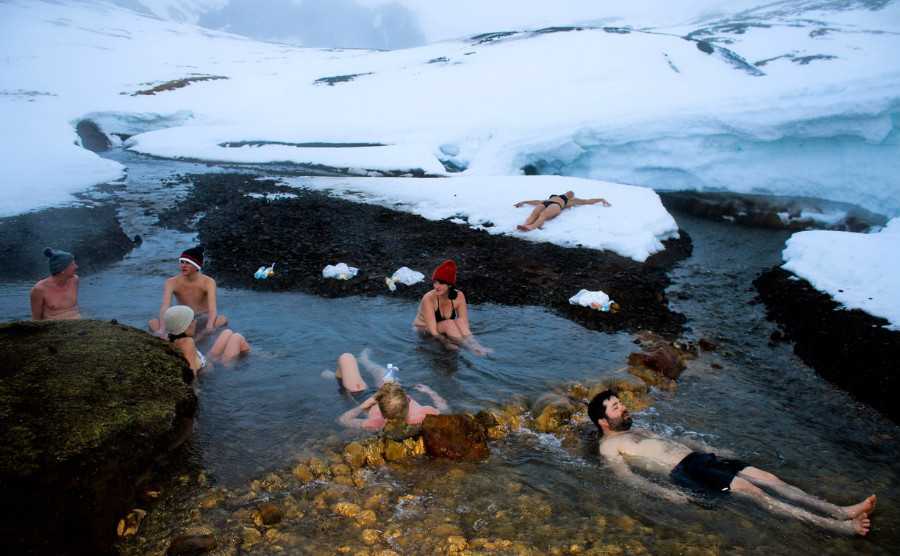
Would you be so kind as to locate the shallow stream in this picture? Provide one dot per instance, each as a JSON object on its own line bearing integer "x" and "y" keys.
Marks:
{"x": 757, "y": 400}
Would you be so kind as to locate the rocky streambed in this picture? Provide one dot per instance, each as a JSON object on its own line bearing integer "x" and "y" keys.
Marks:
{"x": 302, "y": 231}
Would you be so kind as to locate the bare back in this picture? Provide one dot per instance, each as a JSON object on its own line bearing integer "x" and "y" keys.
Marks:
{"x": 645, "y": 450}
{"x": 50, "y": 301}
{"x": 193, "y": 293}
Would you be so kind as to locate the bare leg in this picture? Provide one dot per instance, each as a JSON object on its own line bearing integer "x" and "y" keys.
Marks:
{"x": 236, "y": 346}
{"x": 548, "y": 213}
{"x": 449, "y": 329}
{"x": 767, "y": 480}
{"x": 153, "y": 324}
{"x": 348, "y": 373}
{"x": 531, "y": 217}
{"x": 218, "y": 348}
{"x": 376, "y": 370}
{"x": 856, "y": 526}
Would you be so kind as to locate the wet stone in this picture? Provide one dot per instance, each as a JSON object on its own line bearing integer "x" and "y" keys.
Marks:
{"x": 303, "y": 474}
{"x": 188, "y": 545}
{"x": 268, "y": 514}
{"x": 355, "y": 455}
{"x": 250, "y": 536}
{"x": 346, "y": 509}
{"x": 454, "y": 437}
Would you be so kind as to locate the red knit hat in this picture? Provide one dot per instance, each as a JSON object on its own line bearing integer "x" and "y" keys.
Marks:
{"x": 193, "y": 257}
{"x": 445, "y": 272}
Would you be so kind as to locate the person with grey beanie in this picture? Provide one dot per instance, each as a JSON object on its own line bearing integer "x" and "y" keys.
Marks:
{"x": 56, "y": 297}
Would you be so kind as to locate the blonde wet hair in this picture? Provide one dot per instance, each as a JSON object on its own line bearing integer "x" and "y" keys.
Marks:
{"x": 392, "y": 401}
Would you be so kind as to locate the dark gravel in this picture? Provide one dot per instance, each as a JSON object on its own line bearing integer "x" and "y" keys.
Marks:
{"x": 304, "y": 234}
{"x": 849, "y": 348}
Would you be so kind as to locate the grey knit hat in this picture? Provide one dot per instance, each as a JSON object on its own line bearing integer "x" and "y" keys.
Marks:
{"x": 59, "y": 260}
{"x": 178, "y": 318}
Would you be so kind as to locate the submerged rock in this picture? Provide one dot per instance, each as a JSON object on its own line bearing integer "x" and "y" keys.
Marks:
{"x": 454, "y": 437}
{"x": 85, "y": 409}
{"x": 191, "y": 545}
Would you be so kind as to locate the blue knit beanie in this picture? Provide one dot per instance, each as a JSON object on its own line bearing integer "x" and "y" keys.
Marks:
{"x": 59, "y": 260}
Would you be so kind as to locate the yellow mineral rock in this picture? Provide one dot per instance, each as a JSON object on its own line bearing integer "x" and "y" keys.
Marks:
{"x": 624, "y": 523}
{"x": 346, "y": 509}
{"x": 345, "y": 480}
{"x": 355, "y": 455}
{"x": 415, "y": 446}
{"x": 456, "y": 543}
{"x": 130, "y": 524}
{"x": 272, "y": 535}
{"x": 303, "y": 473}
{"x": 366, "y": 518}
{"x": 370, "y": 536}
{"x": 385, "y": 553}
{"x": 375, "y": 501}
{"x": 340, "y": 469}
{"x": 394, "y": 451}
{"x": 318, "y": 467}
{"x": 360, "y": 477}
{"x": 250, "y": 536}
{"x": 374, "y": 448}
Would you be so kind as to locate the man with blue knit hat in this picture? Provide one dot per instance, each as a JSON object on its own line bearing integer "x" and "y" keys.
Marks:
{"x": 56, "y": 297}
{"x": 192, "y": 288}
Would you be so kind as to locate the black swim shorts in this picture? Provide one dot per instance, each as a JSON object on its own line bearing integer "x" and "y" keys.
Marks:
{"x": 700, "y": 471}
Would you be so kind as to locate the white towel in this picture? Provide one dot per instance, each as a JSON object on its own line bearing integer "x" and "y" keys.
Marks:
{"x": 595, "y": 300}
{"x": 339, "y": 271}
{"x": 404, "y": 275}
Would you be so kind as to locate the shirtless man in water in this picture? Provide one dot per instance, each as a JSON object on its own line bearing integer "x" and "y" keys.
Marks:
{"x": 56, "y": 297}
{"x": 194, "y": 289}
{"x": 708, "y": 472}
{"x": 550, "y": 209}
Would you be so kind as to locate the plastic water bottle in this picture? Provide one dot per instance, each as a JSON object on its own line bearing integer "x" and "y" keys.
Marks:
{"x": 391, "y": 374}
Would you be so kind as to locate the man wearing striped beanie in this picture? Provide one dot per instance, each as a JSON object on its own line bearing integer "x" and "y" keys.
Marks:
{"x": 196, "y": 290}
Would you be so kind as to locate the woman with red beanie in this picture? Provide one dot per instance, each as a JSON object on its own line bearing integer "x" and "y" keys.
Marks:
{"x": 444, "y": 314}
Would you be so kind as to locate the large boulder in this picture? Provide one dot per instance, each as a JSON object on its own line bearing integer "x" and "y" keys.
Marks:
{"x": 458, "y": 437}
{"x": 85, "y": 409}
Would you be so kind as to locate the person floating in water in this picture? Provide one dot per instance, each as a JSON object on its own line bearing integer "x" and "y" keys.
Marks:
{"x": 180, "y": 325}
{"x": 196, "y": 290}
{"x": 444, "y": 314}
{"x": 386, "y": 401}
{"x": 707, "y": 472}
{"x": 56, "y": 297}
{"x": 550, "y": 209}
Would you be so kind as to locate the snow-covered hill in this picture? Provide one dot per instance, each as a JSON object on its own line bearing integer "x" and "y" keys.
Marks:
{"x": 797, "y": 98}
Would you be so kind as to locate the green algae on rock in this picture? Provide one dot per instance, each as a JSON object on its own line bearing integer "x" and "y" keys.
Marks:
{"x": 85, "y": 408}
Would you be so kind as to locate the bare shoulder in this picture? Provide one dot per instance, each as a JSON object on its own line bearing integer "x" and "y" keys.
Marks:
{"x": 460, "y": 296}
{"x": 208, "y": 281}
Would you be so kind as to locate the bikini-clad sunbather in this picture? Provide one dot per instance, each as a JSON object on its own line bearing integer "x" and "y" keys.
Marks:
{"x": 552, "y": 207}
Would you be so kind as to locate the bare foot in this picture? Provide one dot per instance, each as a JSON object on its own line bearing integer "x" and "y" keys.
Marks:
{"x": 867, "y": 506}
{"x": 861, "y": 524}
{"x": 523, "y": 228}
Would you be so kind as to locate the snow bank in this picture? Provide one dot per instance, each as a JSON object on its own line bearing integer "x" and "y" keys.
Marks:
{"x": 790, "y": 99}
{"x": 634, "y": 226}
{"x": 860, "y": 271}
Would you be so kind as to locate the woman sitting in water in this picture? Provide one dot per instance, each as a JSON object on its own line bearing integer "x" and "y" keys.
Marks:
{"x": 388, "y": 401}
{"x": 444, "y": 314}
{"x": 550, "y": 209}
{"x": 180, "y": 327}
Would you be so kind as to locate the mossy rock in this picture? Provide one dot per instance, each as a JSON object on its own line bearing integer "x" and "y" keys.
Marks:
{"x": 85, "y": 409}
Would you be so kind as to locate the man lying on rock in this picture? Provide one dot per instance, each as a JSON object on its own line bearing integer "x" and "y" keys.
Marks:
{"x": 196, "y": 290}
{"x": 386, "y": 402}
{"x": 706, "y": 472}
{"x": 56, "y": 297}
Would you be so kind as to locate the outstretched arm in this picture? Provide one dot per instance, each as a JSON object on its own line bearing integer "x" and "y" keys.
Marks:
{"x": 37, "y": 304}
{"x": 211, "y": 303}
{"x": 439, "y": 402}
{"x": 462, "y": 321}
{"x": 523, "y": 203}
{"x": 350, "y": 417}
{"x": 600, "y": 200}
{"x": 168, "y": 289}
{"x": 617, "y": 463}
